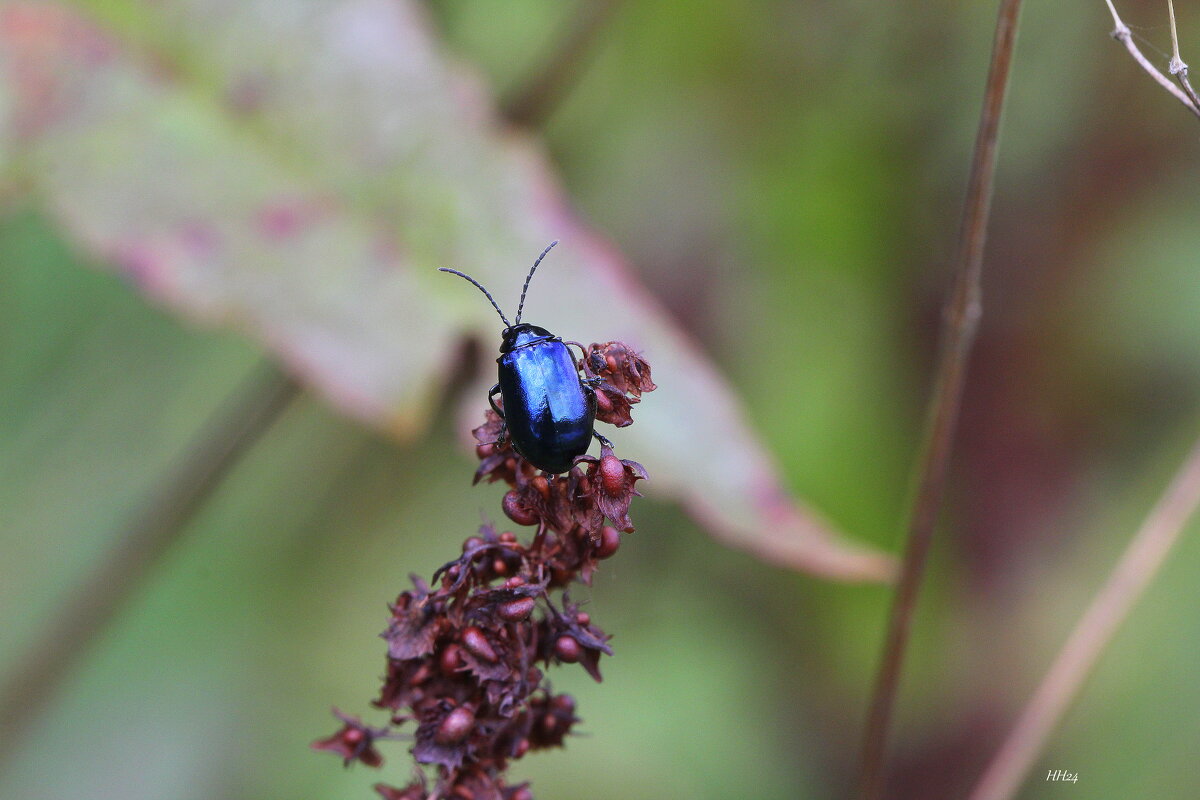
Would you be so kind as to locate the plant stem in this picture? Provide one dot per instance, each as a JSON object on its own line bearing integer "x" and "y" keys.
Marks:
{"x": 960, "y": 323}
{"x": 1177, "y": 67}
{"x": 96, "y": 600}
{"x": 554, "y": 75}
{"x": 1123, "y": 35}
{"x": 1134, "y": 571}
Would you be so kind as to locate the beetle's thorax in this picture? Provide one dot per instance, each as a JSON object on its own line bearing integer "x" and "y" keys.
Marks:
{"x": 524, "y": 335}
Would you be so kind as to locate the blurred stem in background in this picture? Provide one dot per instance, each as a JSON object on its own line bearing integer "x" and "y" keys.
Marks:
{"x": 961, "y": 321}
{"x": 1133, "y": 573}
{"x": 555, "y": 74}
{"x": 1137, "y": 567}
{"x": 219, "y": 445}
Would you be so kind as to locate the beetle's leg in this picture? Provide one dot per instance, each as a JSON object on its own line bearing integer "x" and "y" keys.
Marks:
{"x": 503, "y": 440}
{"x": 495, "y": 390}
{"x": 592, "y": 382}
{"x": 582, "y": 349}
{"x": 582, "y": 366}
{"x": 602, "y": 439}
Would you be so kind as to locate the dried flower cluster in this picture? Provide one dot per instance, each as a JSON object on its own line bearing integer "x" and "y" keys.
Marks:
{"x": 464, "y": 652}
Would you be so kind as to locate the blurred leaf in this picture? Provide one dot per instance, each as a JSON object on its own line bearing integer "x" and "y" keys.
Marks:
{"x": 298, "y": 171}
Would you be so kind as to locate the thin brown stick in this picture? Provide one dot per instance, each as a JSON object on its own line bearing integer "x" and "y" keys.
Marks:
{"x": 554, "y": 75}
{"x": 1181, "y": 75}
{"x": 1123, "y": 35}
{"x": 93, "y": 604}
{"x": 1134, "y": 571}
{"x": 961, "y": 321}
{"x": 1177, "y": 66}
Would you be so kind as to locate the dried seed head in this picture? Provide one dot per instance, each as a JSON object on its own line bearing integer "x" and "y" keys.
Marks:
{"x": 612, "y": 474}
{"x": 464, "y": 650}
{"x": 604, "y": 405}
{"x": 517, "y": 610}
{"x": 456, "y": 726}
{"x": 616, "y": 479}
{"x": 516, "y": 509}
{"x": 416, "y": 791}
{"x": 354, "y": 742}
{"x": 567, "y": 649}
{"x": 477, "y": 643}
{"x": 451, "y": 659}
{"x": 610, "y": 540}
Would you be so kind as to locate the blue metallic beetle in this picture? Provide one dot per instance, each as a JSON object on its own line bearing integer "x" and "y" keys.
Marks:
{"x": 549, "y": 410}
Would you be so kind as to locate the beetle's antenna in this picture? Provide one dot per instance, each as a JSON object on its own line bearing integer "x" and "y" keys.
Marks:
{"x": 529, "y": 277}
{"x": 486, "y": 293}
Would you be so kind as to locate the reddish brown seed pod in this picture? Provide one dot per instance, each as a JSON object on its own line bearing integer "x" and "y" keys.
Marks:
{"x": 517, "y": 610}
{"x": 477, "y": 643}
{"x": 568, "y": 649}
{"x": 421, "y": 675}
{"x": 560, "y": 575}
{"x": 451, "y": 659}
{"x": 455, "y": 727}
{"x": 603, "y": 404}
{"x": 612, "y": 474}
{"x": 610, "y": 541}
{"x": 518, "y": 512}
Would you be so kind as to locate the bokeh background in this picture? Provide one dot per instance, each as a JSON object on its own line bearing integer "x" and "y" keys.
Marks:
{"x": 785, "y": 177}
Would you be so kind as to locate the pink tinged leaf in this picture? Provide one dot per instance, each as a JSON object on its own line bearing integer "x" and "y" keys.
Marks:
{"x": 371, "y": 159}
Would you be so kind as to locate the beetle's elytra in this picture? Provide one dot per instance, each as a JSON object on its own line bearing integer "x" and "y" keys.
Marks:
{"x": 549, "y": 410}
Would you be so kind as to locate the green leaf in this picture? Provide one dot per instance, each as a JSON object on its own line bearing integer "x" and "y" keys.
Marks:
{"x": 298, "y": 171}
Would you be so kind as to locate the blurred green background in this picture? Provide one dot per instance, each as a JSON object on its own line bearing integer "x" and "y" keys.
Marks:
{"x": 786, "y": 177}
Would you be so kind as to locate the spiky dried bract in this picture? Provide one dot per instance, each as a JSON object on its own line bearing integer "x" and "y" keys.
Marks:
{"x": 623, "y": 376}
{"x": 354, "y": 741}
{"x": 613, "y": 479}
{"x": 467, "y": 653}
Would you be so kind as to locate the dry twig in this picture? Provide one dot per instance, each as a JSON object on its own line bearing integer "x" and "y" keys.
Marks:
{"x": 242, "y": 421}
{"x": 1138, "y": 566}
{"x": 1133, "y": 573}
{"x": 1177, "y": 67}
{"x": 963, "y": 310}
{"x": 1123, "y": 35}
{"x": 554, "y": 75}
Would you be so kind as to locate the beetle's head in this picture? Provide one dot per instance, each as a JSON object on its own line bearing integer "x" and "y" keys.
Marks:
{"x": 521, "y": 335}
